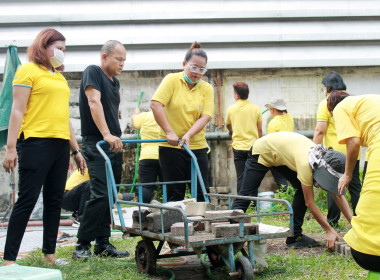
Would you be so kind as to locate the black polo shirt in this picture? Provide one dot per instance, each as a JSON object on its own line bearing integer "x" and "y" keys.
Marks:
{"x": 110, "y": 98}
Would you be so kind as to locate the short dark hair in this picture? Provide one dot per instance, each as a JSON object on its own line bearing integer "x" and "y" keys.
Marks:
{"x": 195, "y": 49}
{"x": 110, "y": 46}
{"x": 335, "y": 97}
{"x": 241, "y": 88}
{"x": 37, "y": 51}
{"x": 333, "y": 81}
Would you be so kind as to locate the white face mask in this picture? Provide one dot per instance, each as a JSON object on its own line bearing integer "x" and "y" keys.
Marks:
{"x": 57, "y": 59}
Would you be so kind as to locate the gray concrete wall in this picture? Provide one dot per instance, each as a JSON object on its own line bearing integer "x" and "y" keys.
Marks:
{"x": 300, "y": 87}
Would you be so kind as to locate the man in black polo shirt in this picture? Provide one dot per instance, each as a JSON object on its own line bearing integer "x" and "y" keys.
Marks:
{"x": 99, "y": 101}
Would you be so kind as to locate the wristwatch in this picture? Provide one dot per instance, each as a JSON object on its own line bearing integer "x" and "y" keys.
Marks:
{"x": 73, "y": 153}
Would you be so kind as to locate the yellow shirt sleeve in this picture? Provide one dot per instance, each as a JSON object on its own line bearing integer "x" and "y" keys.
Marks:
{"x": 345, "y": 124}
{"x": 24, "y": 76}
{"x": 272, "y": 127}
{"x": 138, "y": 120}
{"x": 165, "y": 90}
{"x": 228, "y": 119}
{"x": 323, "y": 113}
{"x": 76, "y": 179}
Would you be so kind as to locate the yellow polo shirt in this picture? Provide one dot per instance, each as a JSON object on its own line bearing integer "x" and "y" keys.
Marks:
{"x": 283, "y": 122}
{"x": 289, "y": 149}
{"x": 183, "y": 107}
{"x": 358, "y": 116}
{"x": 47, "y": 111}
{"x": 75, "y": 179}
{"x": 243, "y": 117}
{"x": 149, "y": 129}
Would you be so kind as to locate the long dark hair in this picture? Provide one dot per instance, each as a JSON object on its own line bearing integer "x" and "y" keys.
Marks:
{"x": 335, "y": 97}
{"x": 333, "y": 81}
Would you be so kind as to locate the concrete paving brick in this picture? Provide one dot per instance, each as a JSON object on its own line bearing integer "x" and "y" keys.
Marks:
{"x": 170, "y": 217}
{"x": 198, "y": 208}
{"x": 223, "y": 189}
{"x": 337, "y": 246}
{"x": 214, "y": 200}
{"x": 347, "y": 251}
{"x": 233, "y": 230}
{"x": 198, "y": 225}
{"x": 222, "y": 213}
{"x": 178, "y": 229}
{"x": 213, "y": 225}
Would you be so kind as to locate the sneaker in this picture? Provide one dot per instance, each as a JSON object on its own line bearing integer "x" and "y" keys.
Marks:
{"x": 82, "y": 252}
{"x": 106, "y": 249}
{"x": 75, "y": 220}
{"x": 128, "y": 196}
{"x": 302, "y": 241}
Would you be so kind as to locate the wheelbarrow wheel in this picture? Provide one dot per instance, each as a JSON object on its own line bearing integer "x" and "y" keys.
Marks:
{"x": 146, "y": 257}
{"x": 214, "y": 258}
{"x": 244, "y": 267}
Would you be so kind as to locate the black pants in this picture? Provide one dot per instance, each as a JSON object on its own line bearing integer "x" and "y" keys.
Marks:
{"x": 149, "y": 171}
{"x": 368, "y": 262}
{"x": 253, "y": 175}
{"x": 354, "y": 188}
{"x": 41, "y": 162}
{"x": 240, "y": 157}
{"x": 176, "y": 166}
{"x": 75, "y": 199}
{"x": 96, "y": 216}
{"x": 280, "y": 180}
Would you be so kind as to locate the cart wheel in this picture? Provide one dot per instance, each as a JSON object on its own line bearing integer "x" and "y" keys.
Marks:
{"x": 146, "y": 257}
{"x": 214, "y": 258}
{"x": 244, "y": 267}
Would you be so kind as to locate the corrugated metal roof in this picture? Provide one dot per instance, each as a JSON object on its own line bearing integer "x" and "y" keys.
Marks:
{"x": 236, "y": 34}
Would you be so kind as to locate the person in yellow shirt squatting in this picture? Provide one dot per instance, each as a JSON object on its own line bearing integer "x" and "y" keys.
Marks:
{"x": 357, "y": 122}
{"x": 149, "y": 166}
{"x": 299, "y": 166}
{"x": 244, "y": 121}
{"x": 325, "y": 133}
{"x": 281, "y": 121}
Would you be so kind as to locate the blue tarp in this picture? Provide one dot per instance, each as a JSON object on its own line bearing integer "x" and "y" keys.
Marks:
{"x": 6, "y": 98}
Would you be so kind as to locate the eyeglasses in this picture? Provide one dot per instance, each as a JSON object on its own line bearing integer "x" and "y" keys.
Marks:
{"x": 194, "y": 68}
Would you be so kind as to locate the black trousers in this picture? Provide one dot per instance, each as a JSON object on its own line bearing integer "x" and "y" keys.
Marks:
{"x": 176, "y": 166}
{"x": 75, "y": 199}
{"x": 281, "y": 182}
{"x": 354, "y": 188}
{"x": 253, "y": 175}
{"x": 240, "y": 157}
{"x": 41, "y": 162}
{"x": 149, "y": 171}
{"x": 96, "y": 215}
{"x": 368, "y": 262}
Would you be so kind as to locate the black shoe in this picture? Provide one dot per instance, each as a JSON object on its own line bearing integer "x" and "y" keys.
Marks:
{"x": 302, "y": 241}
{"x": 128, "y": 196}
{"x": 106, "y": 249}
{"x": 82, "y": 252}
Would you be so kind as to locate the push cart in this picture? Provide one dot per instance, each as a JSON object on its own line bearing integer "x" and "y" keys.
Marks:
{"x": 221, "y": 251}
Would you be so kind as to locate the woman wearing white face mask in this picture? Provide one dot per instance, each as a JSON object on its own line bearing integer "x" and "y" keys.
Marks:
{"x": 40, "y": 136}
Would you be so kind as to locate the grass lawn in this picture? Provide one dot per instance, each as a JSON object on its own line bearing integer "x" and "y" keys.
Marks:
{"x": 316, "y": 263}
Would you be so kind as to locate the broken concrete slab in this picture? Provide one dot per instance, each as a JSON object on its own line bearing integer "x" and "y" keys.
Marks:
{"x": 233, "y": 230}
{"x": 198, "y": 208}
{"x": 178, "y": 229}
{"x": 170, "y": 217}
{"x": 212, "y": 190}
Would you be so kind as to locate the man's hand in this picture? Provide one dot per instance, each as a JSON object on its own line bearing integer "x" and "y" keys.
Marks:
{"x": 116, "y": 145}
{"x": 10, "y": 160}
{"x": 331, "y": 237}
{"x": 172, "y": 138}
{"x": 81, "y": 163}
{"x": 344, "y": 182}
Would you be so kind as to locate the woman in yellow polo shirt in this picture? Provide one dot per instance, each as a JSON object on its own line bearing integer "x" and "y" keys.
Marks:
{"x": 40, "y": 131}
{"x": 357, "y": 122}
{"x": 183, "y": 105}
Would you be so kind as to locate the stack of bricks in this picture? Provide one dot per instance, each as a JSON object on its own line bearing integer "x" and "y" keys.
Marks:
{"x": 343, "y": 248}
{"x": 222, "y": 202}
